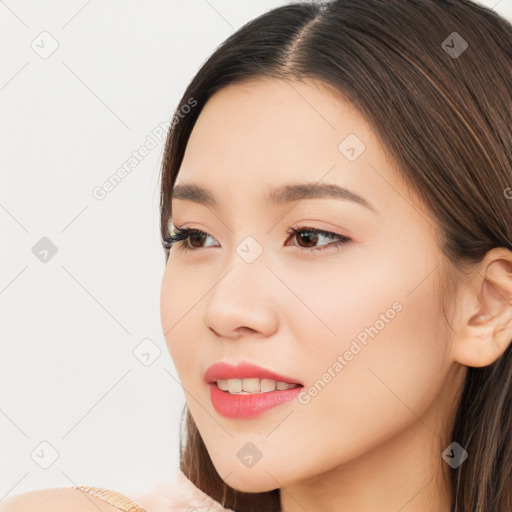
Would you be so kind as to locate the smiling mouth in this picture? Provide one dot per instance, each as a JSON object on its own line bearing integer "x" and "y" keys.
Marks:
{"x": 252, "y": 386}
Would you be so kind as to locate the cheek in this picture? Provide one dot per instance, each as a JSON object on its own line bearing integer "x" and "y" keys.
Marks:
{"x": 376, "y": 351}
{"x": 378, "y": 307}
{"x": 343, "y": 305}
{"x": 177, "y": 298}
{"x": 392, "y": 362}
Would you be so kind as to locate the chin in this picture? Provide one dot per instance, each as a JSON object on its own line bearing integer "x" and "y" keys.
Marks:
{"x": 251, "y": 480}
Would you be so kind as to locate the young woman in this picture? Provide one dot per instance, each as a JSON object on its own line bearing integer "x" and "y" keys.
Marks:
{"x": 336, "y": 213}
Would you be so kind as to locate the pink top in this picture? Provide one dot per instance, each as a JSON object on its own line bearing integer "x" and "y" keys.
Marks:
{"x": 176, "y": 495}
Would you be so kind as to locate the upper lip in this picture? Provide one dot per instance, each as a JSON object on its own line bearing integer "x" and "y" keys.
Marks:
{"x": 244, "y": 370}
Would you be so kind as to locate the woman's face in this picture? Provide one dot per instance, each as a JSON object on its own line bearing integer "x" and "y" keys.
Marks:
{"x": 359, "y": 324}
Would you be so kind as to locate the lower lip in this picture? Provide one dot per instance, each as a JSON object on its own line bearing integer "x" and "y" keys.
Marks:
{"x": 248, "y": 406}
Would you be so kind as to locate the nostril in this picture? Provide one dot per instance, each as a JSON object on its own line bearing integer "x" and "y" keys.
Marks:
{"x": 214, "y": 331}
{"x": 245, "y": 330}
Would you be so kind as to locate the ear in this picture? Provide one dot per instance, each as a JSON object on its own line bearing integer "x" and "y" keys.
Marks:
{"x": 483, "y": 330}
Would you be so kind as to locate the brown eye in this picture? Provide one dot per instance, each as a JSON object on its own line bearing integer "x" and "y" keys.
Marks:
{"x": 191, "y": 239}
{"x": 196, "y": 237}
{"x": 309, "y": 238}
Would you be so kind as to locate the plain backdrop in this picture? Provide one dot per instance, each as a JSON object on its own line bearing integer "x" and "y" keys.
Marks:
{"x": 88, "y": 392}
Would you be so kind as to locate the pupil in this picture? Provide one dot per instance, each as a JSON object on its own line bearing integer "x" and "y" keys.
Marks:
{"x": 309, "y": 234}
{"x": 196, "y": 237}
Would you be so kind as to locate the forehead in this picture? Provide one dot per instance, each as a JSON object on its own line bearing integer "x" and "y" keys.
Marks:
{"x": 253, "y": 137}
{"x": 269, "y": 116}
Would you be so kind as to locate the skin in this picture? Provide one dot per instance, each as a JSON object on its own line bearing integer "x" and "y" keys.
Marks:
{"x": 371, "y": 439}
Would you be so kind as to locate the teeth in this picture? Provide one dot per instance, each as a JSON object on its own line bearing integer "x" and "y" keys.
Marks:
{"x": 267, "y": 385}
{"x": 234, "y": 385}
{"x": 252, "y": 385}
{"x": 223, "y": 384}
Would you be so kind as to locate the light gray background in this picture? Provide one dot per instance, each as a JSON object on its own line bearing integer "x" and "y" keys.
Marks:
{"x": 69, "y": 325}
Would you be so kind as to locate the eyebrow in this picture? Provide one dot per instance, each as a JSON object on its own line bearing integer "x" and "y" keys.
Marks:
{"x": 281, "y": 195}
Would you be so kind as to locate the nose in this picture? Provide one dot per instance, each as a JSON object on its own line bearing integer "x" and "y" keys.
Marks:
{"x": 239, "y": 331}
{"x": 242, "y": 303}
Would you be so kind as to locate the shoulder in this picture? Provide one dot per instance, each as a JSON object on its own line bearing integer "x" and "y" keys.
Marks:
{"x": 176, "y": 494}
{"x": 64, "y": 499}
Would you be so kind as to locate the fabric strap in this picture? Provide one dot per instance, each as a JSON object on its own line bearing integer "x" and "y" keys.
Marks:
{"x": 116, "y": 499}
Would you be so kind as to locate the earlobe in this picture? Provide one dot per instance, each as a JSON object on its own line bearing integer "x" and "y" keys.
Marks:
{"x": 484, "y": 330}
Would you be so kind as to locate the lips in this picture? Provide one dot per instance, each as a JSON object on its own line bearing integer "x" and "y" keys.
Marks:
{"x": 244, "y": 370}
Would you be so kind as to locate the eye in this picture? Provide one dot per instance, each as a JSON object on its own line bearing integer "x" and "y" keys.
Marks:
{"x": 189, "y": 236}
{"x": 312, "y": 235}
{"x": 192, "y": 238}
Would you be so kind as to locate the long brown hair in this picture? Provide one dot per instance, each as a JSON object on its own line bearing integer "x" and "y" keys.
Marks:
{"x": 434, "y": 80}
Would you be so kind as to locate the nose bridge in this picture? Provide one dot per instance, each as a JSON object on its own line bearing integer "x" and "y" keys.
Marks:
{"x": 241, "y": 297}
{"x": 248, "y": 234}
{"x": 245, "y": 269}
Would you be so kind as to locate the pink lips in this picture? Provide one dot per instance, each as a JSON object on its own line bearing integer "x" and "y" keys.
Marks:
{"x": 244, "y": 370}
{"x": 245, "y": 406}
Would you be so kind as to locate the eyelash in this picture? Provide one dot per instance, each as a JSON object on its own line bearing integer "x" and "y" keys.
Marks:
{"x": 183, "y": 234}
